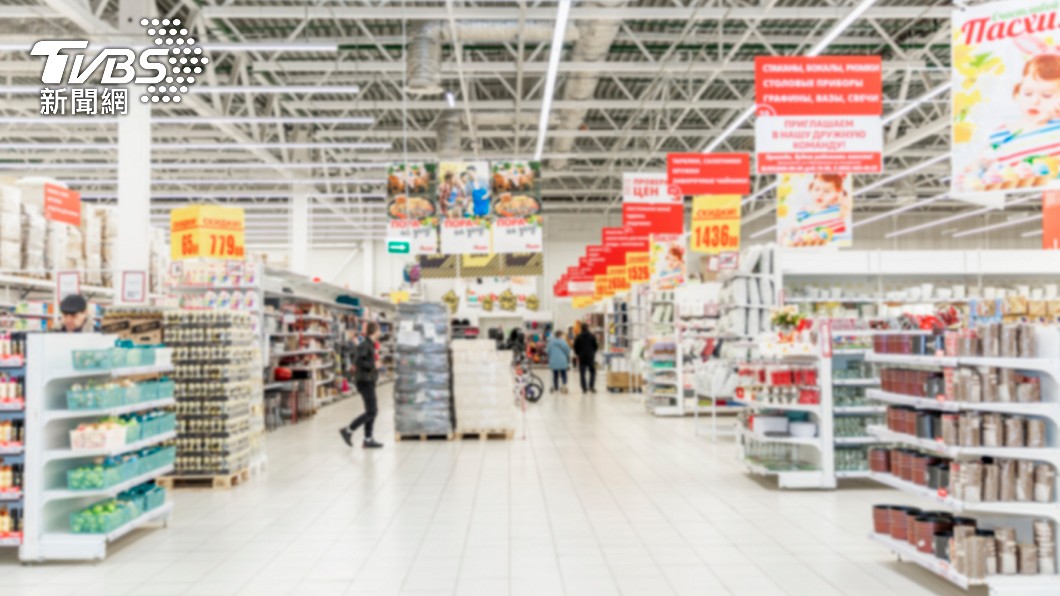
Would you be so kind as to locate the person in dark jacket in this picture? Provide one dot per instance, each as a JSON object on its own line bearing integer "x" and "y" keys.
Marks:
{"x": 366, "y": 373}
{"x": 585, "y": 347}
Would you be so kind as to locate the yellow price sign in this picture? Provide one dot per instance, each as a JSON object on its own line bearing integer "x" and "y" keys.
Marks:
{"x": 207, "y": 231}
{"x": 715, "y": 224}
{"x": 581, "y": 301}
{"x": 619, "y": 275}
{"x": 638, "y": 267}
{"x": 398, "y": 297}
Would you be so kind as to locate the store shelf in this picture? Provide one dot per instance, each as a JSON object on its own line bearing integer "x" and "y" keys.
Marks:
{"x": 928, "y": 561}
{"x": 12, "y": 406}
{"x": 11, "y": 448}
{"x": 68, "y": 545}
{"x": 1047, "y": 409}
{"x": 12, "y": 362}
{"x": 856, "y": 410}
{"x": 1044, "y": 454}
{"x": 10, "y": 495}
{"x": 126, "y": 371}
{"x": 103, "y": 413}
{"x": 305, "y": 334}
{"x": 1044, "y": 365}
{"x": 850, "y": 352}
{"x": 856, "y": 440}
{"x": 296, "y": 353}
{"x": 1032, "y": 509}
{"x": 282, "y": 386}
{"x": 757, "y": 405}
{"x": 102, "y": 493}
{"x": 789, "y": 478}
{"x": 814, "y": 442}
{"x": 849, "y": 474}
{"x": 57, "y": 454}
{"x": 855, "y": 382}
{"x": 10, "y": 540}
{"x": 910, "y": 359}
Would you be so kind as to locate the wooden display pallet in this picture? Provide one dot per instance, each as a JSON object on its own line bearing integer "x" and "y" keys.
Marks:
{"x": 398, "y": 437}
{"x": 485, "y": 434}
{"x": 208, "y": 482}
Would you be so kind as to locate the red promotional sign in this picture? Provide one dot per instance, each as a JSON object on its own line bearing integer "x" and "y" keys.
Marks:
{"x": 709, "y": 173}
{"x": 819, "y": 86}
{"x": 62, "y": 205}
{"x": 648, "y": 218}
{"x": 1051, "y": 220}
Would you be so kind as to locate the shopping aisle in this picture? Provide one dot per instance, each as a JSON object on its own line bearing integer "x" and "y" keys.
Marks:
{"x": 601, "y": 499}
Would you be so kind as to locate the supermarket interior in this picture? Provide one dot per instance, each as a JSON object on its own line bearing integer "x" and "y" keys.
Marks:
{"x": 529, "y": 297}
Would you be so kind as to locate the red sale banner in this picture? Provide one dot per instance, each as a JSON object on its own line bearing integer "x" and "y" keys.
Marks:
{"x": 818, "y": 115}
{"x": 62, "y": 204}
{"x": 709, "y": 173}
{"x": 819, "y": 86}
{"x": 646, "y": 218}
{"x": 1051, "y": 220}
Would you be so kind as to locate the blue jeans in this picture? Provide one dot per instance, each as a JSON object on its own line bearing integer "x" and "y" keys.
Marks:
{"x": 558, "y": 374}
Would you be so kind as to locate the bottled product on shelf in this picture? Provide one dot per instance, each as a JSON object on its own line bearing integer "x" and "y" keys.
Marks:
{"x": 216, "y": 362}
{"x": 422, "y": 396}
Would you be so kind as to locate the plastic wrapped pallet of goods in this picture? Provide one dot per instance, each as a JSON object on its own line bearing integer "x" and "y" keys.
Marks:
{"x": 55, "y": 246}
{"x": 34, "y": 234}
{"x": 74, "y": 251}
{"x": 10, "y": 228}
{"x": 92, "y": 232}
{"x": 108, "y": 216}
{"x": 422, "y": 399}
{"x": 483, "y": 390}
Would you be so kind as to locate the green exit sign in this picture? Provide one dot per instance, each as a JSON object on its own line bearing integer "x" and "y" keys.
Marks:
{"x": 397, "y": 247}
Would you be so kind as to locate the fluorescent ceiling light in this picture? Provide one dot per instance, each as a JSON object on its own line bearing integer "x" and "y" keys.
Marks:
{"x": 923, "y": 98}
{"x": 450, "y": 99}
{"x": 241, "y": 194}
{"x": 764, "y": 232}
{"x": 957, "y": 217}
{"x": 224, "y": 89}
{"x": 207, "y": 181}
{"x": 840, "y": 27}
{"x": 1000, "y": 225}
{"x": 187, "y": 146}
{"x": 269, "y": 47}
{"x": 198, "y": 166}
{"x": 558, "y": 34}
{"x": 918, "y": 167}
{"x": 1031, "y": 233}
{"x": 765, "y": 190}
{"x": 191, "y": 120}
{"x": 901, "y": 209}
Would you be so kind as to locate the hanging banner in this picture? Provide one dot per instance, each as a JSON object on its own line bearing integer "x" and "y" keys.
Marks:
{"x": 815, "y": 210}
{"x": 464, "y": 201}
{"x": 715, "y": 224}
{"x": 411, "y": 208}
{"x": 638, "y": 267}
{"x": 437, "y": 266}
{"x": 206, "y": 231}
{"x": 819, "y": 114}
{"x": 648, "y": 187}
{"x": 667, "y": 261}
{"x": 652, "y": 218}
{"x": 619, "y": 276}
{"x": 709, "y": 173}
{"x": 61, "y": 205}
{"x": 580, "y": 284}
{"x": 518, "y": 234}
{"x": 518, "y": 226}
{"x": 1051, "y": 220}
{"x": 1006, "y": 85}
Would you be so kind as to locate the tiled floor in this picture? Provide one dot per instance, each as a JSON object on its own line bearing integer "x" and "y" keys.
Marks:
{"x": 598, "y": 499}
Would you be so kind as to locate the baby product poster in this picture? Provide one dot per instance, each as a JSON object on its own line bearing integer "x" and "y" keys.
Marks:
{"x": 1006, "y": 97}
{"x": 668, "y": 258}
{"x": 815, "y": 210}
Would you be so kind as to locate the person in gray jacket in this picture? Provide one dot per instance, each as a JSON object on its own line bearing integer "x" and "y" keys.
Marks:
{"x": 558, "y": 360}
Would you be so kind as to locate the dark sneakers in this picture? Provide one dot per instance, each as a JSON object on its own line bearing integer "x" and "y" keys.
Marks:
{"x": 372, "y": 444}
{"x": 347, "y": 436}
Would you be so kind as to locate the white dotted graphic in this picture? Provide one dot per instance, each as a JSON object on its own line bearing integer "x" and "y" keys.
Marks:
{"x": 168, "y": 33}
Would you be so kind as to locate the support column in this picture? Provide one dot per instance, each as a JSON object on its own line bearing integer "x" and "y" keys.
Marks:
{"x": 300, "y": 229}
{"x": 134, "y": 169}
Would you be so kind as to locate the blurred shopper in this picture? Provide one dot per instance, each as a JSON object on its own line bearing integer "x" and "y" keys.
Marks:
{"x": 558, "y": 361}
{"x": 366, "y": 373}
{"x": 74, "y": 309}
{"x": 585, "y": 347}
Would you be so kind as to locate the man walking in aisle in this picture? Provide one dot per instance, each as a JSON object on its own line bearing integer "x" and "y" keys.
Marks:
{"x": 559, "y": 361}
{"x": 585, "y": 347}
{"x": 366, "y": 373}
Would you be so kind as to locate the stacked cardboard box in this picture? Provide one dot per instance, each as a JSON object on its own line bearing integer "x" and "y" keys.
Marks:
{"x": 10, "y": 229}
{"x": 92, "y": 230}
{"x": 109, "y": 218}
{"x": 34, "y": 236}
{"x": 483, "y": 390}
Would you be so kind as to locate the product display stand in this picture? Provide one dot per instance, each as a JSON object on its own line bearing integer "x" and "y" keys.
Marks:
{"x": 1035, "y": 500}
{"x": 621, "y": 321}
{"x": 12, "y": 447}
{"x": 852, "y": 413}
{"x": 664, "y": 358}
{"x": 49, "y": 502}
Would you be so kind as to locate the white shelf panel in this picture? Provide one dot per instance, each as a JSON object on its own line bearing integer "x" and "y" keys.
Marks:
{"x": 911, "y": 360}
{"x": 847, "y": 474}
{"x": 306, "y": 334}
{"x": 70, "y": 546}
{"x": 128, "y": 448}
{"x": 790, "y": 479}
{"x": 1044, "y": 454}
{"x": 11, "y": 448}
{"x": 10, "y": 495}
{"x": 1030, "y": 509}
{"x": 850, "y": 352}
{"x": 856, "y": 410}
{"x": 930, "y": 562}
{"x": 127, "y": 371}
{"x": 814, "y": 442}
{"x": 926, "y": 403}
{"x": 295, "y": 353}
{"x": 118, "y": 411}
{"x": 855, "y": 382}
{"x": 856, "y": 440}
{"x": 62, "y": 493}
{"x": 757, "y": 405}
{"x": 11, "y": 540}
{"x": 1045, "y": 365}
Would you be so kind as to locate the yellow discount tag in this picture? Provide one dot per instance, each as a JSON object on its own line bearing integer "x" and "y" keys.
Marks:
{"x": 715, "y": 224}
{"x": 207, "y": 231}
{"x": 638, "y": 268}
{"x": 581, "y": 301}
{"x": 619, "y": 277}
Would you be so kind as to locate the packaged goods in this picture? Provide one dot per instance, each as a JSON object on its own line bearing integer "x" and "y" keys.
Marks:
{"x": 422, "y": 396}
{"x": 34, "y": 235}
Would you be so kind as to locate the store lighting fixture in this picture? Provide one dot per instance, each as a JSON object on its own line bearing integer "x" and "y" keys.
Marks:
{"x": 952, "y": 218}
{"x": 208, "y": 46}
{"x": 920, "y": 100}
{"x": 198, "y": 166}
{"x": 1031, "y": 233}
{"x": 223, "y": 89}
{"x": 816, "y": 50}
{"x": 1000, "y": 225}
{"x": 239, "y": 194}
{"x": 902, "y": 209}
{"x": 556, "y": 52}
{"x": 907, "y": 172}
{"x": 450, "y": 99}
{"x": 191, "y": 120}
{"x": 760, "y": 193}
{"x": 193, "y": 146}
